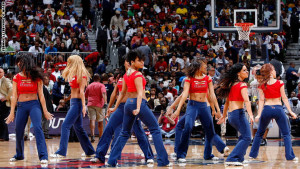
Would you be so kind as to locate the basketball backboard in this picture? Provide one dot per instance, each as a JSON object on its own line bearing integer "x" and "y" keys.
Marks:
{"x": 266, "y": 15}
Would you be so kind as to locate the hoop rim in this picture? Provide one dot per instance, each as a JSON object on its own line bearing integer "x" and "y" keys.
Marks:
{"x": 243, "y": 24}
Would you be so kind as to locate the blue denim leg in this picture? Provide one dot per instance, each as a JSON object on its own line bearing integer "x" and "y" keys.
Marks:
{"x": 150, "y": 121}
{"x": 191, "y": 115}
{"x": 208, "y": 126}
{"x": 7, "y": 59}
{"x": 238, "y": 120}
{"x": 178, "y": 133}
{"x": 21, "y": 120}
{"x": 142, "y": 139}
{"x": 74, "y": 117}
{"x": 217, "y": 141}
{"x": 268, "y": 113}
{"x": 36, "y": 119}
{"x": 111, "y": 129}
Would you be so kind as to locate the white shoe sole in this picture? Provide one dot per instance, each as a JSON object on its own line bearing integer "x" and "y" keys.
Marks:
{"x": 234, "y": 163}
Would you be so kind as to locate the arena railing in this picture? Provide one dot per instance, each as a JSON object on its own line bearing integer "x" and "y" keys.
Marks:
{"x": 112, "y": 54}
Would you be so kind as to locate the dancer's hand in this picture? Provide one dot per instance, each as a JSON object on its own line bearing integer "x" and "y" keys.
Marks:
{"x": 293, "y": 115}
{"x": 221, "y": 120}
{"x": 175, "y": 115}
{"x": 257, "y": 119}
{"x": 251, "y": 119}
{"x": 48, "y": 115}
{"x": 218, "y": 115}
{"x": 84, "y": 111}
{"x": 169, "y": 111}
{"x": 109, "y": 111}
{"x": 136, "y": 112}
{"x": 10, "y": 118}
{"x": 213, "y": 112}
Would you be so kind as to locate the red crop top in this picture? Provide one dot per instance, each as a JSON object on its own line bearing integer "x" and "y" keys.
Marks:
{"x": 129, "y": 80}
{"x": 235, "y": 93}
{"x": 26, "y": 85}
{"x": 120, "y": 84}
{"x": 199, "y": 85}
{"x": 272, "y": 91}
{"x": 74, "y": 84}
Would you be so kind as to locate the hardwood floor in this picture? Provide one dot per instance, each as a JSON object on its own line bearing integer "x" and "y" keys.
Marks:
{"x": 271, "y": 156}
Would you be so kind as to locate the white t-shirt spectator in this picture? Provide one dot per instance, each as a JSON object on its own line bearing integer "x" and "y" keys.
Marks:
{"x": 15, "y": 45}
{"x": 33, "y": 49}
{"x": 170, "y": 97}
{"x": 220, "y": 63}
{"x": 56, "y": 74}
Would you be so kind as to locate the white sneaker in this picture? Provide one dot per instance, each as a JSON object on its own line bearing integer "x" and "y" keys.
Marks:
{"x": 182, "y": 160}
{"x": 44, "y": 161}
{"x": 234, "y": 163}
{"x": 215, "y": 158}
{"x": 84, "y": 155}
{"x": 107, "y": 156}
{"x": 56, "y": 156}
{"x": 251, "y": 158}
{"x": 150, "y": 161}
{"x": 173, "y": 155}
{"x": 13, "y": 159}
{"x": 95, "y": 160}
{"x": 169, "y": 165}
{"x": 296, "y": 159}
{"x": 226, "y": 151}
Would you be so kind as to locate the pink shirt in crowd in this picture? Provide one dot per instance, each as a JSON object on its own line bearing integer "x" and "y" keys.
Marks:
{"x": 94, "y": 94}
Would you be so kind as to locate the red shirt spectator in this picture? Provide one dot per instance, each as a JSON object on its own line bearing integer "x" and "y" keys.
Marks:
{"x": 94, "y": 94}
{"x": 167, "y": 126}
{"x": 161, "y": 66}
{"x": 61, "y": 65}
{"x": 92, "y": 58}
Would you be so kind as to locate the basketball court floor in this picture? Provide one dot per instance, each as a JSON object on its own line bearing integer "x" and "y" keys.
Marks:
{"x": 270, "y": 156}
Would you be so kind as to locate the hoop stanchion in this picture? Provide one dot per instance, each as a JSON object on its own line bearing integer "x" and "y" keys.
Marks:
{"x": 244, "y": 30}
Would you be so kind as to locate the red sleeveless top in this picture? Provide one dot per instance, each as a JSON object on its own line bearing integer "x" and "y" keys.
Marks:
{"x": 26, "y": 85}
{"x": 235, "y": 93}
{"x": 120, "y": 84}
{"x": 74, "y": 84}
{"x": 199, "y": 85}
{"x": 272, "y": 91}
{"x": 129, "y": 80}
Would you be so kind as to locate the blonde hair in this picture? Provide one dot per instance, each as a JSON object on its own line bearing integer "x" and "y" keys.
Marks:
{"x": 75, "y": 67}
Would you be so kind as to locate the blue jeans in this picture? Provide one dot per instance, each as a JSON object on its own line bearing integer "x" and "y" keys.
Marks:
{"x": 113, "y": 127}
{"x": 33, "y": 109}
{"x": 217, "y": 141}
{"x": 273, "y": 112}
{"x": 197, "y": 109}
{"x": 74, "y": 117}
{"x": 150, "y": 121}
{"x": 9, "y": 59}
{"x": 238, "y": 120}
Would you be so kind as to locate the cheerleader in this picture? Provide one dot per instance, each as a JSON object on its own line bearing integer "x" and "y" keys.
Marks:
{"x": 114, "y": 127}
{"x": 77, "y": 75}
{"x": 196, "y": 86}
{"x": 27, "y": 88}
{"x": 232, "y": 87}
{"x": 136, "y": 107}
{"x": 271, "y": 91}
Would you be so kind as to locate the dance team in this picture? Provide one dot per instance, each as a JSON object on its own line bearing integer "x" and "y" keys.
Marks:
{"x": 131, "y": 109}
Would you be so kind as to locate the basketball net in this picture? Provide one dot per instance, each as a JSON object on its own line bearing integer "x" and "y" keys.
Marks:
{"x": 244, "y": 30}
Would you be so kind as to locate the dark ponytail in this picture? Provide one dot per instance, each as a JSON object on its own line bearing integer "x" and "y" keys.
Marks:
{"x": 26, "y": 64}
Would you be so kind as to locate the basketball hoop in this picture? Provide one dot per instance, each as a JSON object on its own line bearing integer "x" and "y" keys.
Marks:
{"x": 244, "y": 30}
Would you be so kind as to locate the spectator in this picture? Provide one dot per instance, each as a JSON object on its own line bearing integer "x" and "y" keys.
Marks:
{"x": 14, "y": 44}
{"x": 48, "y": 84}
{"x": 61, "y": 63}
{"x": 50, "y": 75}
{"x": 220, "y": 60}
{"x": 36, "y": 48}
{"x": 168, "y": 124}
{"x": 174, "y": 65}
{"x": 168, "y": 95}
{"x": 5, "y": 93}
{"x": 161, "y": 65}
{"x": 61, "y": 106}
{"x": 108, "y": 86}
{"x": 146, "y": 51}
{"x": 60, "y": 88}
{"x": 118, "y": 22}
{"x": 97, "y": 100}
{"x": 56, "y": 72}
{"x": 51, "y": 48}
{"x": 102, "y": 67}
{"x": 291, "y": 79}
{"x": 49, "y": 106}
{"x": 277, "y": 65}
{"x": 85, "y": 47}
{"x": 103, "y": 35}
